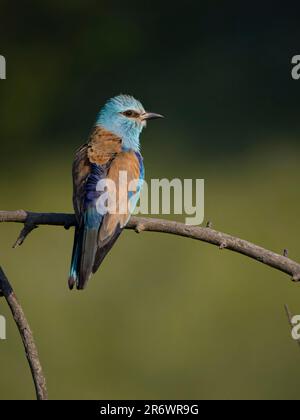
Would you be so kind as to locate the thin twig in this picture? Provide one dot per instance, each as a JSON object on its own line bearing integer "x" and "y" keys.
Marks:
{"x": 141, "y": 224}
{"x": 28, "y": 227}
{"x": 26, "y": 335}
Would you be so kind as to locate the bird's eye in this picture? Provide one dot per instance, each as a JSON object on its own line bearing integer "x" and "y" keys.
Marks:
{"x": 129, "y": 113}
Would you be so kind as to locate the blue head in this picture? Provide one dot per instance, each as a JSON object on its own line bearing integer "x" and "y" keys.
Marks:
{"x": 126, "y": 117}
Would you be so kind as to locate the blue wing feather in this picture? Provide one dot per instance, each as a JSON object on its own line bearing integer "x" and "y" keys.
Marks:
{"x": 86, "y": 235}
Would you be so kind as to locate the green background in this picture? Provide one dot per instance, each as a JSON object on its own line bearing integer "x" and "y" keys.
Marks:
{"x": 165, "y": 317}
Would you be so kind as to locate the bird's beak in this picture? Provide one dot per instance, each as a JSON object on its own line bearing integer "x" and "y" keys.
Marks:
{"x": 151, "y": 116}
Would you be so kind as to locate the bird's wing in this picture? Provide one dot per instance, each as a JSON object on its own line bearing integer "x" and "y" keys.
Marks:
{"x": 100, "y": 150}
{"x": 123, "y": 171}
{"x": 81, "y": 171}
{"x": 91, "y": 164}
{"x": 127, "y": 173}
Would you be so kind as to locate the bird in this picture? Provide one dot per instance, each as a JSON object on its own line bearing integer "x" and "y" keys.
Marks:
{"x": 113, "y": 148}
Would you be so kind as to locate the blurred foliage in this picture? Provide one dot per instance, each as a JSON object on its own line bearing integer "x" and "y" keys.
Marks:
{"x": 164, "y": 317}
{"x": 220, "y": 71}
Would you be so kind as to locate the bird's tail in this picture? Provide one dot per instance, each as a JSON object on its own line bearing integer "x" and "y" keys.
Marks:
{"x": 75, "y": 262}
{"x": 84, "y": 251}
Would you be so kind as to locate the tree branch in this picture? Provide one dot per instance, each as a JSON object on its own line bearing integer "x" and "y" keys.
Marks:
{"x": 139, "y": 224}
{"x": 26, "y": 335}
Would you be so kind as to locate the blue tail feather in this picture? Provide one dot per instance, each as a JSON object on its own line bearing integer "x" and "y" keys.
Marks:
{"x": 84, "y": 249}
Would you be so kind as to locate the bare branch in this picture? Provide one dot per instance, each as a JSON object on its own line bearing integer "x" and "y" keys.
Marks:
{"x": 204, "y": 234}
{"x": 28, "y": 227}
{"x": 26, "y": 335}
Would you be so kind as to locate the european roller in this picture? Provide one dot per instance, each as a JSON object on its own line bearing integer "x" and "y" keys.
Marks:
{"x": 113, "y": 148}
